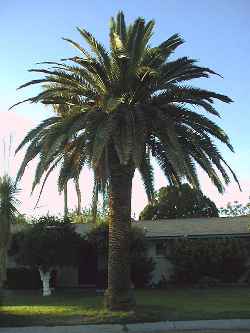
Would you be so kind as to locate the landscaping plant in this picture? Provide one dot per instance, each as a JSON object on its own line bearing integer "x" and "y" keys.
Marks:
{"x": 128, "y": 104}
{"x": 201, "y": 260}
{"x": 46, "y": 247}
{"x": 8, "y": 213}
{"x": 173, "y": 202}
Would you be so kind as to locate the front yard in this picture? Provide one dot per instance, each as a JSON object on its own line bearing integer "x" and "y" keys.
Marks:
{"x": 68, "y": 308}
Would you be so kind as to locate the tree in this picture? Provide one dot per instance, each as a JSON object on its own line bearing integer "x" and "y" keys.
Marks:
{"x": 235, "y": 209}
{"x": 63, "y": 111}
{"x": 8, "y": 213}
{"x": 65, "y": 201}
{"x": 129, "y": 104}
{"x": 46, "y": 245}
{"x": 86, "y": 216}
{"x": 173, "y": 202}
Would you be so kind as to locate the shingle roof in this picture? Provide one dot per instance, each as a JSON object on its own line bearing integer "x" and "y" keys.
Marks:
{"x": 197, "y": 227}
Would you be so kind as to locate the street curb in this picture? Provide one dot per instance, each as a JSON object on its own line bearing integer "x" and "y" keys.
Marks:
{"x": 158, "y": 327}
{"x": 230, "y": 324}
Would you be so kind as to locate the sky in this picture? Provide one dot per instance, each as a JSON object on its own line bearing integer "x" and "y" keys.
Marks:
{"x": 216, "y": 34}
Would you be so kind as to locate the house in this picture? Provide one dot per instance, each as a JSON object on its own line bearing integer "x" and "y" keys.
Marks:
{"x": 200, "y": 228}
{"x": 157, "y": 231}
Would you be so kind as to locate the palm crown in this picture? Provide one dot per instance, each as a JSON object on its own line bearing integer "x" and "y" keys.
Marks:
{"x": 133, "y": 98}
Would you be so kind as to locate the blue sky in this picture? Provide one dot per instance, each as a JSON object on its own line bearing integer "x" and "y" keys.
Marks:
{"x": 216, "y": 33}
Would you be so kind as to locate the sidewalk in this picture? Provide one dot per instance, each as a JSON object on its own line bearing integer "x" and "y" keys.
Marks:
{"x": 159, "y": 327}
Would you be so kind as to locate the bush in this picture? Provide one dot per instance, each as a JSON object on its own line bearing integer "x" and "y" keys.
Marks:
{"x": 23, "y": 278}
{"x": 141, "y": 271}
{"x": 102, "y": 279}
{"x": 221, "y": 259}
{"x": 208, "y": 281}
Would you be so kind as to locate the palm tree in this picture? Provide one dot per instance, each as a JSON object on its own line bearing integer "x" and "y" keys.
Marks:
{"x": 79, "y": 195}
{"x": 131, "y": 104}
{"x": 62, "y": 110}
{"x": 65, "y": 201}
{"x": 8, "y": 211}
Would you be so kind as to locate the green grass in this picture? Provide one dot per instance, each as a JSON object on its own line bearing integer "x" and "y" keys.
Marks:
{"x": 65, "y": 308}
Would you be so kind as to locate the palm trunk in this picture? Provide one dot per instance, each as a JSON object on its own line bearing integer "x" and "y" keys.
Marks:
{"x": 45, "y": 278}
{"x": 94, "y": 203}
{"x": 65, "y": 197}
{"x": 79, "y": 198}
{"x": 119, "y": 295}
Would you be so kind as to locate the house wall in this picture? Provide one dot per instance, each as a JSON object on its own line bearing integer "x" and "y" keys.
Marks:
{"x": 67, "y": 277}
{"x": 163, "y": 267}
{"x": 237, "y": 227}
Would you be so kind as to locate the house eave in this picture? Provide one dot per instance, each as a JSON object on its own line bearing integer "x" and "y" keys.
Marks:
{"x": 199, "y": 236}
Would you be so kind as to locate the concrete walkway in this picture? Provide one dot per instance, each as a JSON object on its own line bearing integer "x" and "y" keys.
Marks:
{"x": 159, "y": 327}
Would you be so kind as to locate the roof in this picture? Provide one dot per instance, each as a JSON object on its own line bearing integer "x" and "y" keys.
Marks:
{"x": 193, "y": 227}
{"x": 197, "y": 227}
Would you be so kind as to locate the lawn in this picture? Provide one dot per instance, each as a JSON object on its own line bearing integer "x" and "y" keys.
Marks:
{"x": 69, "y": 308}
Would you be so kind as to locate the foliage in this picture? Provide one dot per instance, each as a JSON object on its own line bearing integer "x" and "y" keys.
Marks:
{"x": 100, "y": 91}
{"x": 86, "y": 216}
{"x": 46, "y": 245}
{"x": 141, "y": 265}
{"x": 128, "y": 104}
{"x": 141, "y": 271}
{"x": 179, "y": 202}
{"x": 8, "y": 197}
{"x": 22, "y": 219}
{"x": 8, "y": 213}
{"x": 50, "y": 220}
{"x": 221, "y": 259}
{"x": 235, "y": 209}
{"x": 23, "y": 278}
{"x": 98, "y": 237}
{"x": 208, "y": 281}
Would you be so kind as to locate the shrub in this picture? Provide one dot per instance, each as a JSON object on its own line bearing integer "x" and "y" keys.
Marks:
{"x": 222, "y": 259}
{"x": 23, "y": 278}
{"x": 141, "y": 271}
{"x": 208, "y": 281}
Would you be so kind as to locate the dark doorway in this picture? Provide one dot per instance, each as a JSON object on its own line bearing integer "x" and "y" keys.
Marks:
{"x": 87, "y": 273}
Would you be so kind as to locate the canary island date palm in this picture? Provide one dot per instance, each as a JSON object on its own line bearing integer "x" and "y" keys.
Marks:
{"x": 8, "y": 211}
{"x": 62, "y": 110}
{"x": 129, "y": 104}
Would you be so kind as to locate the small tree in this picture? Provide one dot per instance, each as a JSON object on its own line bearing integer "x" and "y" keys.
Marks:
{"x": 179, "y": 202}
{"x": 46, "y": 246}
